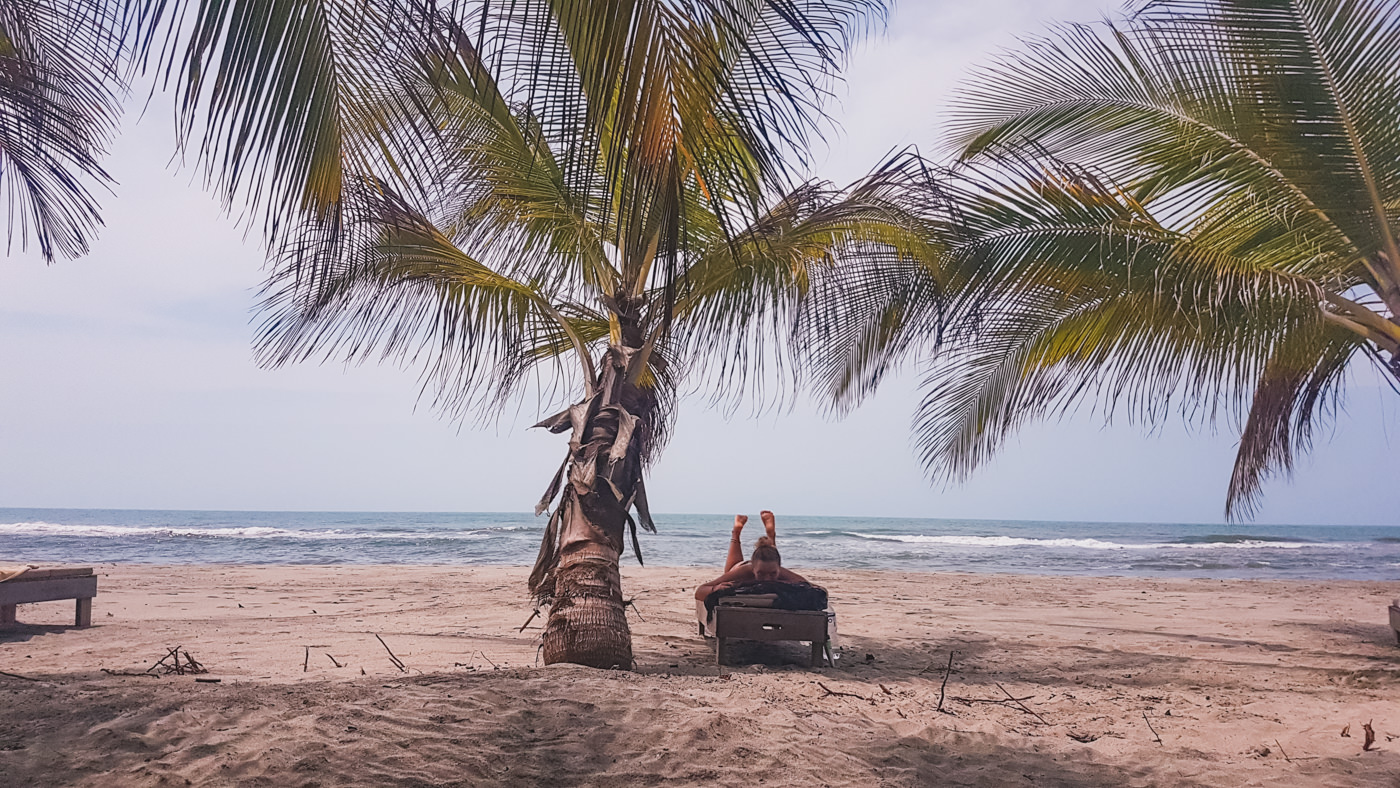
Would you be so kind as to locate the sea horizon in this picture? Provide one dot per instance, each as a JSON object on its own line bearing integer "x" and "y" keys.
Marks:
{"x": 1030, "y": 547}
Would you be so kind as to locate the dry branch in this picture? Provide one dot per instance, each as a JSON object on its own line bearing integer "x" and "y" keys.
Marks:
{"x": 1023, "y": 706}
{"x": 943, "y": 688}
{"x": 830, "y": 692}
{"x": 1156, "y": 735}
{"x": 398, "y": 663}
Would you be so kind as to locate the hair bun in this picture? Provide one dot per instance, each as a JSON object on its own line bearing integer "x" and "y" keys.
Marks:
{"x": 764, "y": 541}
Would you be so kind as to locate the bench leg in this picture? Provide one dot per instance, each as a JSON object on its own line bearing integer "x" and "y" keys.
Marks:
{"x": 83, "y": 618}
{"x": 7, "y": 615}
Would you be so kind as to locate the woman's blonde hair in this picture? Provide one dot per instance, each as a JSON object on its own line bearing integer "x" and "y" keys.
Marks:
{"x": 765, "y": 550}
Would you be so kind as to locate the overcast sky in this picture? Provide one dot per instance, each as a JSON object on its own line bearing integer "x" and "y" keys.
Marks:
{"x": 126, "y": 378}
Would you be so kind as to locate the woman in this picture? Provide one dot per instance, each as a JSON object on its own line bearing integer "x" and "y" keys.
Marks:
{"x": 765, "y": 564}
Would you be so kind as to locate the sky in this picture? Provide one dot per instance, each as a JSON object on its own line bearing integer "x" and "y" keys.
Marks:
{"x": 127, "y": 378}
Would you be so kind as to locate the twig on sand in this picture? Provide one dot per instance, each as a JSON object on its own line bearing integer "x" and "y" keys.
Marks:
{"x": 333, "y": 660}
{"x": 1296, "y": 757}
{"x": 995, "y": 701}
{"x": 1157, "y": 735}
{"x": 16, "y": 676}
{"x": 528, "y": 620}
{"x": 1370, "y": 737}
{"x": 306, "y": 659}
{"x": 174, "y": 652}
{"x": 190, "y": 665}
{"x": 632, "y": 603}
{"x": 830, "y": 692}
{"x": 1023, "y": 706}
{"x": 943, "y": 688}
{"x": 494, "y": 666}
{"x": 398, "y": 663}
{"x": 111, "y": 672}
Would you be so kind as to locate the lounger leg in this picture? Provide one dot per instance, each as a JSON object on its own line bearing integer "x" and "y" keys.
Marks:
{"x": 84, "y": 614}
{"x": 816, "y": 660}
{"x": 7, "y": 615}
{"x": 720, "y": 651}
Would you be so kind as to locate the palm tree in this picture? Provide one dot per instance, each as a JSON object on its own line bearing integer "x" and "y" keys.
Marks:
{"x": 61, "y": 66}
{"x": 1188, "y": 209}
{"x": 591, "y": 200}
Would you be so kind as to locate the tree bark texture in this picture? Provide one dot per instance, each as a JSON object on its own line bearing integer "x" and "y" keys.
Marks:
{"x": 577, "y": 569}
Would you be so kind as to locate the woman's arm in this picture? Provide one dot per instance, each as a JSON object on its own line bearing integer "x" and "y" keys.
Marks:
{"x": 788, "y": 576}
{"x": 739, "y": 574}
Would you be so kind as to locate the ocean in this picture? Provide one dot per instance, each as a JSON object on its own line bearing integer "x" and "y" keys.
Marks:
{"x": 907, "y": 544}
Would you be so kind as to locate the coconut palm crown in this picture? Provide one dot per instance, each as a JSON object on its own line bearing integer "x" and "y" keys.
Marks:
{"x": 1191, "y": 208}
{"x": 594, "y": 201}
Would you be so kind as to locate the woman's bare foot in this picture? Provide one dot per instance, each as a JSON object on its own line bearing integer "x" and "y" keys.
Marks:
{"x": 740, "y": 520}
{"x": 769, "y": 525}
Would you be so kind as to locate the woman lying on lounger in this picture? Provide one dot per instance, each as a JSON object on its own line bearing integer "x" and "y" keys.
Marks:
{"x": 765, "y": 565}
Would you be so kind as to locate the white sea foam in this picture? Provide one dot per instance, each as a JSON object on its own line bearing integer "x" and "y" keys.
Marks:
{"x": 1083, "y": 544}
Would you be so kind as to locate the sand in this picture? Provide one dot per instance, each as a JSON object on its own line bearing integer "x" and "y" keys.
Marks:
{"x": 1121, "y": 681}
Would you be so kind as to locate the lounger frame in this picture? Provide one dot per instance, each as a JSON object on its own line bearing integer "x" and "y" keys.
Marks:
{"x": 757, "y": 623}
{"x": 48, "y": 585}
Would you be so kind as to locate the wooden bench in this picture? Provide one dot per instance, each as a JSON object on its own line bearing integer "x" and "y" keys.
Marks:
{"x": 47, "y": 585}
{"x": 758, "y": 623}
{"x": 1395, "y": 620}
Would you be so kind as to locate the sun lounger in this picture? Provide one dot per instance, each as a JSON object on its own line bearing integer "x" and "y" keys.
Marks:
{"x": 47, "y": 585}
{"x": 1395, "y": 620}
{"x": 753, "y": 618}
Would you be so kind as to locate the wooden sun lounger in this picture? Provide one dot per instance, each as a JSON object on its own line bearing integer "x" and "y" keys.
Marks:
{"x": 47, "y": 585}
{"x": 758, "y": 623}
{"x": 1395, "y": 620}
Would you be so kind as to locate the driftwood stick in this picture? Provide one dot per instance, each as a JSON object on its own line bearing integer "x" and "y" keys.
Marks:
{"x": 494, "y": 666}
{"x": 16, "y": 676}
{"x": 830, "y": 692}
{"x": 333, "y": 660}
{"x": 1370, "y": 739}
{"x": 164, "y": 658}
{"x": 528, "y": 620}
{"x": 306, "y": 659}
{"x": 1023, "y": 706}
{"x": 996, "y": 701}
{"x": 110, "y": 672}
{"x": 398, "y": 663}
{"x": 632, "y": 603}
{"x": 943, "y": 688}
{"x": 1158, "y": 736}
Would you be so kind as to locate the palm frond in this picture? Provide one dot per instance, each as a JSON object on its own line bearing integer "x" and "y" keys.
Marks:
{"x": 61, "y": 67}
{"x": 741, "y": 302}
{"x": 286, "y": 102}
{"x": 402, "y": 290}
{"x": 1233, "y": 174}
{"x": 1300, "y": 385}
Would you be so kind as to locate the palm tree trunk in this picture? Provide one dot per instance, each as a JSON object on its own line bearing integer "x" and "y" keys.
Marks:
{"x": 577, "y": 571}
{"x": 587, "y": 624}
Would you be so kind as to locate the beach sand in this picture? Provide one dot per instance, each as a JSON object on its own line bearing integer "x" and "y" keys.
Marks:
{"x": 1244, "y": 682}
